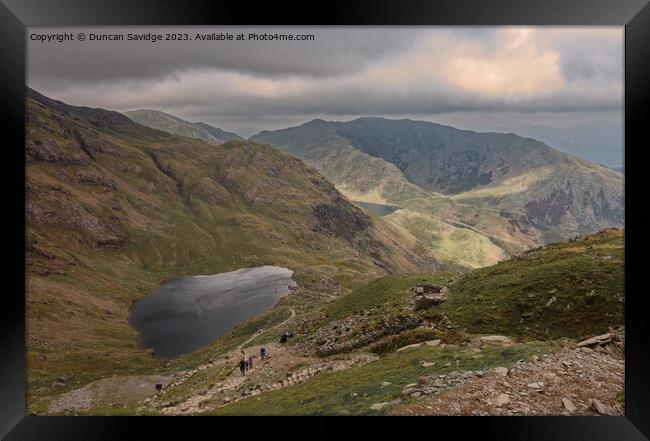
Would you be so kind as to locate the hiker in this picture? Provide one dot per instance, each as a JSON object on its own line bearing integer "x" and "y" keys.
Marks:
{"x": 250, "y": 362}
{"x": 262, "y": 352}
{"x": 158, "y": 388}
{"x": 242, "y": 366}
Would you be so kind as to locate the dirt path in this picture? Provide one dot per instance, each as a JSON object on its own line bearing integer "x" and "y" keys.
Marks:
{"x": 262, "y": 331}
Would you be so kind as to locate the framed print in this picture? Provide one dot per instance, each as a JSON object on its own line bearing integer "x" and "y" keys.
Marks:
{"x": 431, "y": 209}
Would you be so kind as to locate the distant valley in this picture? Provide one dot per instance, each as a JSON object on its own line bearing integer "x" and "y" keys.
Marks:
{"x": 488, "y": 194}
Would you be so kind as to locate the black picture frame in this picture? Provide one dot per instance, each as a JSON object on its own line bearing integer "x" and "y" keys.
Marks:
{"x": 16, "y": 15}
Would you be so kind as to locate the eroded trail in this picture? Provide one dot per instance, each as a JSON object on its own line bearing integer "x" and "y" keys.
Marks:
{"x": 282, "y": 368}
{"x": 263, "y": 331}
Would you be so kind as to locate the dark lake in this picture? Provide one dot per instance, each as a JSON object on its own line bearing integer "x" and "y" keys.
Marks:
{"x": 378, "y": 209}
{"x": 189, "y": 312}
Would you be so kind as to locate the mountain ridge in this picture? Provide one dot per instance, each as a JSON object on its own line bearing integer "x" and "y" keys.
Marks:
{"x": 166, "y": 122}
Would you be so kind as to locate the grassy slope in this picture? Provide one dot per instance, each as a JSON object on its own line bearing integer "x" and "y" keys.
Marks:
{"x": 454, "y": 245}
{"x": 383, "y": 296}
{"x": 585, "y": 276}
{"x": 509, "y": 298}
{"x": 115, "y": 208}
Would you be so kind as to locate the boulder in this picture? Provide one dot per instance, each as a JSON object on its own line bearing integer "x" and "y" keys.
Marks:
{"x": 410, "y": 391}
{"x": 497, "y": 340}
{"x": 433, "y": 342}
{"x": 501, "y": 371}
{"x": 568, "y": 405}
{"x": 428, "y": 300}
{"x": 385, "y": 384}
{"x": 600, "y": 407}
{"x": 598, "y": 340}
{"x": 502, "y": 399}
{"x": 379, "y": 406}
{"x": 413, "y": 346}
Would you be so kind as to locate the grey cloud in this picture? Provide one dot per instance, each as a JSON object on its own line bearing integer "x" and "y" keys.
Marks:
{"x": 332, "y": 53}
{"x": 330, "y": 71}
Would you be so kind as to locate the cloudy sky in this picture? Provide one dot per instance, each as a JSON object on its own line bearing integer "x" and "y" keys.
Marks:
{"x": 562, "y": 85}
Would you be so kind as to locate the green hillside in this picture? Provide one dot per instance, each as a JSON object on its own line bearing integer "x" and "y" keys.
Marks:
{"x": 573, "y": 289}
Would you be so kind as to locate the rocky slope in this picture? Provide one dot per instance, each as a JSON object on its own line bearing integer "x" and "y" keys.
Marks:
{"x": 113, "y": 208}
{"x": 578, "y": 381}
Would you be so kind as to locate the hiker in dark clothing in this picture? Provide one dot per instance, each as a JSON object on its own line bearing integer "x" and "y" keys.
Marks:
{"x": 242, "y": 366}
{"x": 262, "y": 352}
{"x": 250, "y": 362}
{"x": 158, "y": 388}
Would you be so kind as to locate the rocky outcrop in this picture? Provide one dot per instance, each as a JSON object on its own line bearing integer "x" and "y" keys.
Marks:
{"x": 334, "y": 342}
{"x": 340, "y": 219}
{"x": 52, "y": 206}
{"x": 427, "y": 295}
